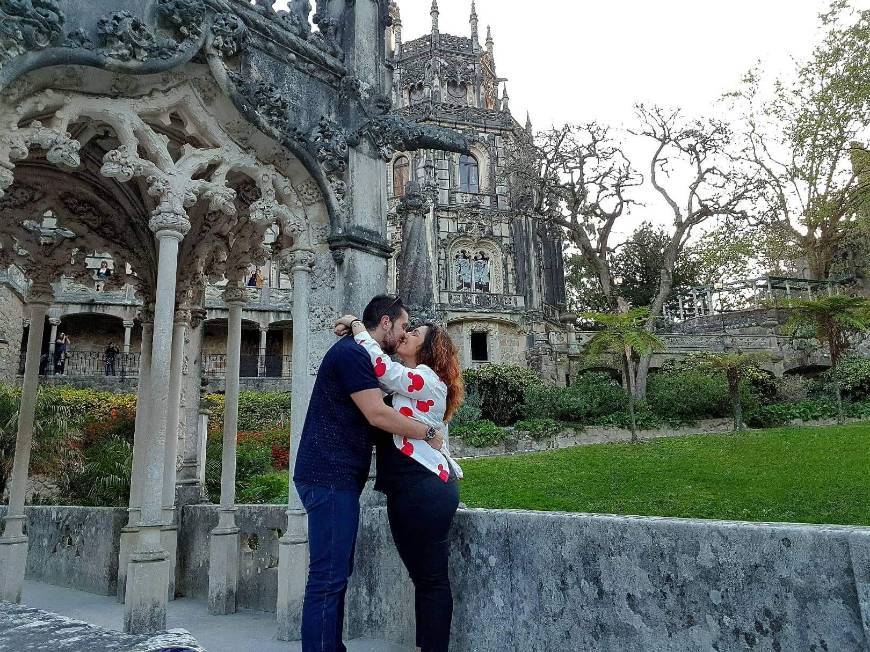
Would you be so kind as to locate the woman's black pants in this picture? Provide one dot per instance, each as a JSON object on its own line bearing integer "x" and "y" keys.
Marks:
{"x": 421, "y": 511}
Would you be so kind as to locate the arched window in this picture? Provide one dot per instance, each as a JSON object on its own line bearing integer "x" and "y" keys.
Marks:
{"x": 469, "y": 174}
{"x": 482, "y": 274}
{"x": 457, "y": 93}
{"x": 418, "y": 94}
{"x": 401, "y": 175}
{"x": 474, "y": 271}
{"x": 463, "y": 271}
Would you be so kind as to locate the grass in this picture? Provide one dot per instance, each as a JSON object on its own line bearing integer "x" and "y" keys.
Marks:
{"x": 801, "y": 475}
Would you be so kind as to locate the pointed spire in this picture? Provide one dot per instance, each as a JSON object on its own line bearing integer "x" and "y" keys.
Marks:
{"x": 505, "y": 100}
{"x": 434, "y": 13}
{"x": 474, "y": 24}
{"x": 528, "y": 122}
{"x": 489, "y": 42}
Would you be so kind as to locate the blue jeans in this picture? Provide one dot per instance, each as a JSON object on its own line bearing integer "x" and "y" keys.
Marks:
{"x": 333, "y": 521}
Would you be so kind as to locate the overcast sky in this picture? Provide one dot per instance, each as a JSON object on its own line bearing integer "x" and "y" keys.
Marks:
{"x": 578, "y": 60}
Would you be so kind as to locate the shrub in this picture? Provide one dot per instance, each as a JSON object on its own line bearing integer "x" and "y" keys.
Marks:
{"x": 469, "y": 411}
{"x": 253, "y": 457}
{"x": 592, "y": 396}
{"x": 501, "y": 389}
{"x": 684, "y": 395}
{"x": 481, "y": 434}
{"x": 269, "y": 488}
{"x": 853, "y": 372}
{"x": 539, "y": 429}
{"x": 258, "y": 411}
{"x": 542, "y": 401}
{"x": 645, "y": 418}
{"x": 791, "y": 389}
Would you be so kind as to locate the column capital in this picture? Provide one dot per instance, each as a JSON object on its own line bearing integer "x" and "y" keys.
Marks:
{"x": 129, "y": 323}
{"x": 264, "y": 329}
{"x": 54, "y": 321}
{"x": 183, "y": 316}
{"x": 170, "y": 221}
{"x": 197, "y": 316}
{"x": 234, "y": 294}
{"x": 301, "y": 260}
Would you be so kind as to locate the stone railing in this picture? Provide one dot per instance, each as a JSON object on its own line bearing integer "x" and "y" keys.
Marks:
{"x": 14, "y": 278}
{"x": 482, "y": 301}
{"x": 264, "y": 299}
{"x": 69, "y": 291}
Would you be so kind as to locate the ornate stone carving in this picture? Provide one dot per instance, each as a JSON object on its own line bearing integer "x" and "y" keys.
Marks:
{"x": 28, "y": 25}
{"x": 230, "y": 35}
{"x": 167, "y": 218}
{"x": 127, "y": 38}
{"x": 121, "y": 164}
{"x": 220, "y": 199}
{"x": 330, "y": 148}
{"x": 185, "y": 15}
{"x": 413, "y": 201}
{"x": 59, "y": 147}
{"x": 308, "y": 192}
{"x": 391, "y": 133}
{"x": 234, "y": 294}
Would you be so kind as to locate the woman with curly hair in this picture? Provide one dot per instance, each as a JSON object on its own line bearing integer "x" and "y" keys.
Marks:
{"x": 421, "y": 483}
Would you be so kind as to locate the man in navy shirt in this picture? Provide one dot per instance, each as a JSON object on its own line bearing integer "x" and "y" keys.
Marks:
{"x": 333, "y": 463}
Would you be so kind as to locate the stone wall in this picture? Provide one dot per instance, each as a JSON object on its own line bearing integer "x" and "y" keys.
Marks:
{"x": 261, "y": 526}
{"x": 11, "y": 332}
{"x": 75, "y": 546}
{"x": 564, "y": 582}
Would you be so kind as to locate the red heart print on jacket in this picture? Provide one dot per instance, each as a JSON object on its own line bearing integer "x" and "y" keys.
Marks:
{"x": 425, "y": 406}
{"x": 408, "y": 448}
{"x": 443, "y": 474}
{"x": 380, "y": 368}
{"x": 406, "y": 411}
{"x": 416, "y": 382}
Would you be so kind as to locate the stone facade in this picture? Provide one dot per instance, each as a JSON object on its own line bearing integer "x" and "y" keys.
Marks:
{"x": 494, "y": 274}
{"x": 11, "y": 331}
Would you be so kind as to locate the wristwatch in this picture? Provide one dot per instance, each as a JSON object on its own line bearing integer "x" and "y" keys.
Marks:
{"x": 431, "y": 433}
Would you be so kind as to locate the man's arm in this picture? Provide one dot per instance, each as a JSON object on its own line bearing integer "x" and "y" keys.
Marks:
{"x": 380, "y": 415}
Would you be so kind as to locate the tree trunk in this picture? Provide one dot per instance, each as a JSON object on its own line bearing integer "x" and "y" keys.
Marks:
{"x": 641, "y": 376}
{"x": 630, "y": 393}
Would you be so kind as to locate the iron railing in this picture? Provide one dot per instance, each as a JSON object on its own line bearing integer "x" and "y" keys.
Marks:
{"x": 250, "y": 366}
{"x": 86, "y": 364}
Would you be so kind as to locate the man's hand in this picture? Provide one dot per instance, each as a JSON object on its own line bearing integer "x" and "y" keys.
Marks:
{"x": 437, "y": 442}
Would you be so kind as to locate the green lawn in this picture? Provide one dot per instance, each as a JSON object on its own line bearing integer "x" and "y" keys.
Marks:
{"x": 805, "y": 475}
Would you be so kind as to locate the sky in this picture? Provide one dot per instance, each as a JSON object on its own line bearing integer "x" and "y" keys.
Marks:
{"x": 579, "y": 60}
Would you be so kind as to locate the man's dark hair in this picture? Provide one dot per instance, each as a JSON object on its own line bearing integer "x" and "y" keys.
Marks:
{"x": 383, "y": 305}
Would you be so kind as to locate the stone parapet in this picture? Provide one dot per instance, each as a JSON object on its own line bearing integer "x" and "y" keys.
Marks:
{"x": 565, "y": 582}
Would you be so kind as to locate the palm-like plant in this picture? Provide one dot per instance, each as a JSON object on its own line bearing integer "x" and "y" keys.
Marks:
{"x": 624, "y": 334}
{"x": 54, "y": 435}
{"x": 736, "y": 367}
{"x": 834, "y": 320}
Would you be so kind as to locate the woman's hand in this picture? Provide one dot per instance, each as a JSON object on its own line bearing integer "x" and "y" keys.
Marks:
{"x": 437, "y": 442}
{"x": 343, "y": 325}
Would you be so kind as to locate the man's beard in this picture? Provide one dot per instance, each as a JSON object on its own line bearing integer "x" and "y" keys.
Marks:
{"x": 391, "y": 344}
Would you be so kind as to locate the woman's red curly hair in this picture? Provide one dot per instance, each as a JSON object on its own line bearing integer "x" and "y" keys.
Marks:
{"x": 440, "y": 354}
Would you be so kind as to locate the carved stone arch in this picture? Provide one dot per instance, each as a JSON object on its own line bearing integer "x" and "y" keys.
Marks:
{"x": 480, "y": 152}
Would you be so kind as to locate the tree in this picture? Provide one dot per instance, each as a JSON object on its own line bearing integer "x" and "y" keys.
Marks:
{"x": 626, "y": 335}
{"x": 736, "y": 367}
{"x": 834, "y": 321}
{"x": 803, "y": 137}
{"x": 578, "y": 177}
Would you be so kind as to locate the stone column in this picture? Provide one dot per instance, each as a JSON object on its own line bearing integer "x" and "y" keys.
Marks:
{"x": 293, "y": 546}
{"x": 148, "y": 570}
{"x": 13, "y": 543}
{"x": 223, "y": 570}
{"x": 128, "y": 333}
{"x": 140, "y": 433}
{"x": 415, "y": 263}
{"x": 261, "y": 358}
{"x": 55, "y": 322}
{"x": 190, "y": 486}
{"x": 170, "y": 452}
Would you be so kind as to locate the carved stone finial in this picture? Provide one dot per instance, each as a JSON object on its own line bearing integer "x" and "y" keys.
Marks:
{"x": 413, "y": 201}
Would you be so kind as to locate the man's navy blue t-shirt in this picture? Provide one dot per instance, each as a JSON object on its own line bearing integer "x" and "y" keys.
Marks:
{"x": 336, "y": 445}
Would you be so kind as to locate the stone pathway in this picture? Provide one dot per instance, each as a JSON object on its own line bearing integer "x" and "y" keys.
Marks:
{"x": 247, "y": 631}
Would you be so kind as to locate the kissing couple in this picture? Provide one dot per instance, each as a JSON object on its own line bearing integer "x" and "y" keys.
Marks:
{"x": 361, "y": 398}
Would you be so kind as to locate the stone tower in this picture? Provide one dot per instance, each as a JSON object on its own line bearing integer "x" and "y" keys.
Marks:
{"x": 493, "y": 274}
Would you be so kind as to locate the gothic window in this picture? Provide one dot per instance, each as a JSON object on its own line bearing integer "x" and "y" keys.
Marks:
{"x": 418, "y": 94}
{"x": 482, "y": 272}
{"x": 464, "y": 271}
{"x": 457, "y": 93}
{"x": 401, "y": 175}
{"x": 469, "y": 174}
{"x": 474, "y": 272}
